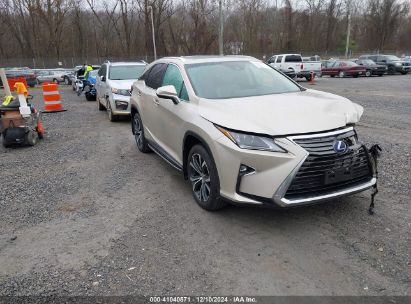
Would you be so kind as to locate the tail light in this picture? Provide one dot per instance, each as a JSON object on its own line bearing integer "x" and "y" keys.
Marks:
{"x": 302, "y": 66}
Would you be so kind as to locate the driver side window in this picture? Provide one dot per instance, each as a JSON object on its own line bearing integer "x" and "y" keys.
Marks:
{"x": 173, "y": 77}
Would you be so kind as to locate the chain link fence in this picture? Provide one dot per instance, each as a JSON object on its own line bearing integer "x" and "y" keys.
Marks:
{"x": 70, "y": 62}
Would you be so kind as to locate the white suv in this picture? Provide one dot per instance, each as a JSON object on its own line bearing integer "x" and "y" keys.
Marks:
{"x": 240, "y": 130}
{"x": 113, "y": 86}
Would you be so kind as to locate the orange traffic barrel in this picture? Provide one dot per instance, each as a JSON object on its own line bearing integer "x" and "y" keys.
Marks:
{"x": 52, "y": 98}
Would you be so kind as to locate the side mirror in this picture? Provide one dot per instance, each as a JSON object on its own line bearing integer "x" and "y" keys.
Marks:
{"x": 168, "y": 92}
{"x": 103, "y": 78}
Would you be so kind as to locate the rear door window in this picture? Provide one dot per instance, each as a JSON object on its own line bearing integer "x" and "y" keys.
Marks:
{"x": 293, "y": 58}
{"x": 279, "y": 58}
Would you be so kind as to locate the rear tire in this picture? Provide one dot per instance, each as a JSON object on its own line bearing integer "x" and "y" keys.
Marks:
{"x": 138, "y": 132}
{"x": 368, "y": 74}
{"x": 203, "y": 176}
{"x": 404, "y": 73}
{"x": 341, "y": 74}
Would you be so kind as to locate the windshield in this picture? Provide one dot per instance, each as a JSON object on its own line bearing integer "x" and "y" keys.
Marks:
{"x": 235, "y": 79}
{"x": 124, "y": 72}
{"x": 392, "y": 58}
{"x": 349, "y": 63}
{"x": 367, "y": 61}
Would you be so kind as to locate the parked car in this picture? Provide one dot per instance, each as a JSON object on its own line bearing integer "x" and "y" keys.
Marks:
{"x": 290, "y": 62}
{"x": 67, "y": 76}
{"x": 327, "y": 63}
{"x": 241, "y": 131}
{"x": 44, "y": 75}
{"x": 393, "y": 63}
{"x": 406, "y": 59}
{"x": 344, "y": 68}
{"x": 114, "y": 87}
{"x": 26, "y": 73}
{"x": 371, "y": 67}
{"x": 312, "y": 64}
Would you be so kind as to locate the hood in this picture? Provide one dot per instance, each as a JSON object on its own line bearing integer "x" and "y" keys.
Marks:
{"x": 122, "y": 84}
{"x": 282, "y": 114}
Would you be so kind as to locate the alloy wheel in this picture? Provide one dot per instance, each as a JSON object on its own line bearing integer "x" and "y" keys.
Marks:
{"x": 138, "y": 132}
{"x": 200, "y": 177}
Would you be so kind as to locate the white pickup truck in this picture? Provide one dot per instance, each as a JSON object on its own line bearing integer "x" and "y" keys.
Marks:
{"x": 294, "y": 62}
{"x": 312, "y": 64}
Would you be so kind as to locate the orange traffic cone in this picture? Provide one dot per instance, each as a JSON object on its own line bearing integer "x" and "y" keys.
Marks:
{"x": 52, "y": 98}
{"x": 312, "y": 76}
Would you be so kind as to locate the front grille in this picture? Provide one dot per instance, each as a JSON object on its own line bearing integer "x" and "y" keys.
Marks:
{"x": 325, "y": 171}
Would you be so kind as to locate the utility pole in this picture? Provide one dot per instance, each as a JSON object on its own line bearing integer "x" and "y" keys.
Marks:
{"x": 221, "y": 30}
{"x": 347, "y": 43}
{"x": 152, "y": 29}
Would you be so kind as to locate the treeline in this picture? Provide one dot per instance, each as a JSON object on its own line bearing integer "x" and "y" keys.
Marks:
{"x": 122, "y": 28}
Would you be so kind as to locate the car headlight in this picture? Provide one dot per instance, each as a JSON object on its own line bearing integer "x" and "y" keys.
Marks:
{"x": 120, "y": 91}
{"x": 398, "y": 64}
{"x": 251, "y": 142}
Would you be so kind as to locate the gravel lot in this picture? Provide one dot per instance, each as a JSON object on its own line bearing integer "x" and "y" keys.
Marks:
{"x": 84, "y": 213}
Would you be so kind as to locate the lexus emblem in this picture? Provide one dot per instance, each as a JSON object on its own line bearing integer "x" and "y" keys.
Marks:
{"x": 340, "y": 146}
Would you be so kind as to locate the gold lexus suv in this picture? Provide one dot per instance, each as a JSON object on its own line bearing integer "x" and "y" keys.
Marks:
{"x": 243, "y": 132}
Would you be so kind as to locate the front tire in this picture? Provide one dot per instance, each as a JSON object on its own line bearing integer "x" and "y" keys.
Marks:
{"x": 368, "y": 74}
{"x": 341, "y": 74}
{"x": 100, "y": 106}
{"x": 203, "y": 176}
{"x": 111, "y": 116}
{"x": 138, "y": 132}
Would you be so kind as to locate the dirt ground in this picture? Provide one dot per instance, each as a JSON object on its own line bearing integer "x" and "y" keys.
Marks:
{"x": 84, "y": 213}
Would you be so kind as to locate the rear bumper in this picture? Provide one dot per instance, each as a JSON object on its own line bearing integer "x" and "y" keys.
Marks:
{"x": 305, "y": 74}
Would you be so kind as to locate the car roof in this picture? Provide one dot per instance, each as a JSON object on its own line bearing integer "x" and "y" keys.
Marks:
{"x": 287, "y": 55}
{"x": 208, "y": 58}
{"x": 126, "y": 63}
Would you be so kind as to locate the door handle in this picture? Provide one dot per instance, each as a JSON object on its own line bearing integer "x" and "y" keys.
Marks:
{"x": 156, "y": 101}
